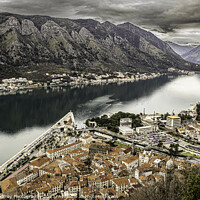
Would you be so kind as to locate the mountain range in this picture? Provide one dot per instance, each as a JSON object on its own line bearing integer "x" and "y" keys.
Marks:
{"x": 193, "y": 55}
{"x": 41, "y": 43}
{"x": 181, "y": 49}
{"x": 190, "y": 53}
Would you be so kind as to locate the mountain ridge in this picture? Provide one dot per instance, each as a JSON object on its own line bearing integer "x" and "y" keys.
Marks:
{"x": 180, "y": 49}
{"x": 193, "y": 55}
{"x": 44, "y": 42}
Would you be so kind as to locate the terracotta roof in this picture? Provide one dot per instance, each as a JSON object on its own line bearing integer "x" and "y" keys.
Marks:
{"x": 52, "y": 168}
{"x": 89, "y": 189}
{"x": 73, "y": 184}
{"x": 121, "y": 181}
{"x": 38, "y": 162}
{"x": 86, "y": 137}
{"x": 144, "y": 167}
{"x": 130, "y": 159}
{"x": 80, "y": 156}
{"x": 54, "y": 183}
{"x": 76, "y": 151}
{"x": 143, "y": 178}
{"x": 64, "y": 147}
{"x": 9, "y": 185}
{"x": 133, "y": 180}
{"x": 44, "y": 189}
{"x": 112, "y": 190}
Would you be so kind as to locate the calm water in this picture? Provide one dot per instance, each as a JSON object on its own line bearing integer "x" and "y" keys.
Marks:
{"x": 24, "y": 117}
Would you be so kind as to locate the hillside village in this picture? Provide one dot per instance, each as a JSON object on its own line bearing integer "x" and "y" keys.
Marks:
{"x": 95, "y": 165}
{"x": 88, "y": 168}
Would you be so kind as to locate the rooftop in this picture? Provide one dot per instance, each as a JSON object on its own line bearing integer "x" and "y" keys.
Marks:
{"x": 38, "y": 162}
{"x": 64, "y": 147}
{"x": 121, "y": 181}
{"x": 174, "y": 117}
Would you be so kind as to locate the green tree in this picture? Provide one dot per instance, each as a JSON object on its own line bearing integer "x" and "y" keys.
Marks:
{"x": 192, "y": 190}
{"x": 173, "y": 150}
{"x": 113, "y": 122}
{"x": 160, "y": 144}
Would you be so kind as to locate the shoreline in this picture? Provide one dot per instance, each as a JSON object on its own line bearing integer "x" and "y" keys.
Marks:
{"x": 13, "y": 86}
{"x": 75, "y": 83}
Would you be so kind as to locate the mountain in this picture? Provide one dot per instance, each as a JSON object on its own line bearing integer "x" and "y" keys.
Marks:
{"x": 181, "y": 49}
{"x": 193, "y": 55}
{"x": 39, "y": 44}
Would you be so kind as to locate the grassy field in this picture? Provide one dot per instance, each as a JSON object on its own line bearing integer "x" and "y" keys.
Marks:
{"x": 120, "y": 144}
{"x": 189, "y": 154}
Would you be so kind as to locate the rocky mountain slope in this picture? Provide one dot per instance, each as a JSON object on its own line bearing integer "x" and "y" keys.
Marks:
{"x": 193, "y": 55}
{"x": 41, "y": 42}
{"x": 180, "y": 49}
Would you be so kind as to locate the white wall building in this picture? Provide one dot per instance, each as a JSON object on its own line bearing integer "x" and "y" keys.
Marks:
{"x": 125, "y": 130}
{"x": 146, "y": 129}
{"x": 173, "y": 122}
{"x": 126, "y": 122}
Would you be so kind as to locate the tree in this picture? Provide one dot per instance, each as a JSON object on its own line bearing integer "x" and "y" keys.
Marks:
{"x": 160, "y": 144}
{"x": 192, "y": 189}
{"x": 164, "y": 117}
{"x": 198, "y": 112}
{"x": 186, "y": 188}
{"x": 173, "y": 150}
{"x": 113, "y": 122}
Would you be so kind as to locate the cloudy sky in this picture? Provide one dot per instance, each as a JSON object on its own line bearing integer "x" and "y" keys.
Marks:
{"x": 174, "y": 20}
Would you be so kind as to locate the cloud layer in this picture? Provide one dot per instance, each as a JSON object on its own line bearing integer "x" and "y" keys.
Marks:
{"x": 179, "y": 19}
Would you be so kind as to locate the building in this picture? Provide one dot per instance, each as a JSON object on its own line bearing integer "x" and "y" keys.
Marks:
{"x": 146, "y": 129}
{"x": 87, "y": 139}
{"x": 39, "y": 163}
{"x": 193, "y": 149}
{"x": 99, "y": 147}
{"x": 125, "y": 130}
{"x": 126, "y": 122}
{"x": 120, "y": 184}
{"x": 130, "y": 162}
{"x": 10, "y": 187}
{"x": 27, "y": 176}
{"x": 55, "y": 153}
{"x": 173, "y": 122}
{"x": 92, "y": 124}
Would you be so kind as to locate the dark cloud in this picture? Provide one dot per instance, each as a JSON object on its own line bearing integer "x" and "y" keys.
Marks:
{"x": 166, "y": 17}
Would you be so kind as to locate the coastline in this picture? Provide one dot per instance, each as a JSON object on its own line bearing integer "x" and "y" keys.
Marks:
{"x": 11, "y": 87}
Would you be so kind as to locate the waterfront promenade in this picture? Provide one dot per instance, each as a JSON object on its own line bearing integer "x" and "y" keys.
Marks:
{"x": 27, "y": 150}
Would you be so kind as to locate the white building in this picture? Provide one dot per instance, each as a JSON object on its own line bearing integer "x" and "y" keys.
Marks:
{"x": 173, "y": 122}
{"x": 28, "y": 176}
{"x": 130, "y": 162}
{"x": 126, "y": 122}
{"x": 146, "y": 129}
{"x": 86, "y": 139}
{"x": 125, "y": 130}
{"x": 55, "y": 153}
{"x": 120, "y": 184}
{"x": 92, "y": 124}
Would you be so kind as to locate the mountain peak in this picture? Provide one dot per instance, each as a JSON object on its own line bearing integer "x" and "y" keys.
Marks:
{"x": 193, "y": 55}
{"x": 82, "y": 44}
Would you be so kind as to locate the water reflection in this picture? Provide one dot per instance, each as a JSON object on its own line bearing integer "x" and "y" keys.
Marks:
{"x": 44, "y": 107}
